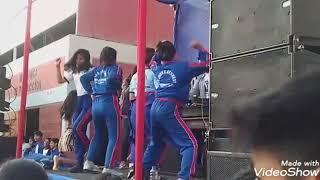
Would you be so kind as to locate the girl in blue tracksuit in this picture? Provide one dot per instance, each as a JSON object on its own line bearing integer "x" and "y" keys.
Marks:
{"x": 104, "y": 82}
{"x": 78, "y": 65}
{"x": 150, "y": 88}
{"x": 172, "y": 94}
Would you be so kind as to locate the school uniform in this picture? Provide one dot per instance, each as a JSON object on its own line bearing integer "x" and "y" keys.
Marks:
{"x": 150, "y": 88}
{"x": 104, "y": 82}
{"x": 81, "y": 117}
{"x": 172, "y": 94}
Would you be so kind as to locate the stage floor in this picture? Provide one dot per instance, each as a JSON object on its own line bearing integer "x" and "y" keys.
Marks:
{"x": 88, "y": 176}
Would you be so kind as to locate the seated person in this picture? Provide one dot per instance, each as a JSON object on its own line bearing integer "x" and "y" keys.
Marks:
{"x": 36, "y": 152}
{"x": 27, "y": 146}
{"x": 47, "y": 161}
{"x": 38, "y": 135}
{"x": 67, "y": 156}
{"x": 46, "y": 147}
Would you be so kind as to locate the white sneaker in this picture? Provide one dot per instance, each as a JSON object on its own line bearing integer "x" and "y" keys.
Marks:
{"x": 90, "y": 166}
{"x": 131, "y": 165}
{"x": 112, "y": 172}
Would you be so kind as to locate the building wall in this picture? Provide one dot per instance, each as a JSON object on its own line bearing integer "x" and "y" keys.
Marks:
{"x": 117, "y": 20}
{"x": 50, "y": 121}
{"x": 43, "y": 87}
{"x": 110, "y": 20}
{"x": 44, "y": 92}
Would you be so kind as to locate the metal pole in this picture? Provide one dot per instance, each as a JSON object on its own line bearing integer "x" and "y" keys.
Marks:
{"x": 24, "y": 91}
{"x": 141, "y": 96}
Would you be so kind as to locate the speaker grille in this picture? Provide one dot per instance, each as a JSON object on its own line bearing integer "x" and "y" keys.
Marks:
{"x": 224, "y": 165}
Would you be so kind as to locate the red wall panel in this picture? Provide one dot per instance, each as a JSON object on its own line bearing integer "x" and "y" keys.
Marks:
{"x": 116, "y": 20}
{"x": 50, "y": 121}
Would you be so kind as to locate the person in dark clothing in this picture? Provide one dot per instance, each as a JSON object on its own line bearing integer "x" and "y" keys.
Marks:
{"x": 22, "y": 169}
{"x": 282, "y": 126}
{"x": 47, "y": 160}
{"x": 38, "y": 149}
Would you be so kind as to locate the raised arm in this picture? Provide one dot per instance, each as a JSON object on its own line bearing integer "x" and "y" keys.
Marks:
{"x": 202, "y": 66}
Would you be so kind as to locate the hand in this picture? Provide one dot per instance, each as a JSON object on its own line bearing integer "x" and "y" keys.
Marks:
{"x": 93, "y": 97}
{"x": 58, "y": 62}
{"x": 196, "y": 45}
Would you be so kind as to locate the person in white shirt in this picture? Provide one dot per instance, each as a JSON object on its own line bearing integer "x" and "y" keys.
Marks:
{"x": 151, "y": 84}
{"x": 46, "y": 147}
{"x": 200, "y": 87}
{"x": 78, "y": 65}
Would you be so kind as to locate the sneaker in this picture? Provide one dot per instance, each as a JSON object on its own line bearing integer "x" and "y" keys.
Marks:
{"x": 131, "y": 174}
{"x": 76, "y": 169}
{"x": 112, "y": 172}
{"x": 91, "y": 167}
{"x": 131, "y": 165}
{"x": 122, "y": 165}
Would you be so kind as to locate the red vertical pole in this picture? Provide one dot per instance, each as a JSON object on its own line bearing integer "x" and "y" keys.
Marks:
{"x": 142, "y": 18}
{"x": 24, "y": 91}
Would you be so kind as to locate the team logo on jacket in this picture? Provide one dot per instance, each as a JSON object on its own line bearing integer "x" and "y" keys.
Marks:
{"x": 100, "y": 77}
{"x": 166, "y": 79}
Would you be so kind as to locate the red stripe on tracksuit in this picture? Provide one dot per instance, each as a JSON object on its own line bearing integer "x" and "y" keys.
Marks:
{"x": 116, "y": 154}
{"x": 192, "y": 138}
{"x": 84, "y": 122}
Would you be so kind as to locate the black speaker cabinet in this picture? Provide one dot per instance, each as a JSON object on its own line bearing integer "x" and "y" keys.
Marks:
{"x": 8, "y": 148}
{"x": 239, "y": 26}
{"x": 243, "y": 77}
{"x": 224, "y": 165}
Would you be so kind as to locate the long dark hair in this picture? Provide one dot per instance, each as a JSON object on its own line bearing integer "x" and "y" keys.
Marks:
{"x": 108, "y": 56}
{"x": 68, "y": 106}
{"x": 149, "y": 54}
{"x": 166, "y": 50}
{"x": 129, "y": 77}
{"x": 72, "y": 63}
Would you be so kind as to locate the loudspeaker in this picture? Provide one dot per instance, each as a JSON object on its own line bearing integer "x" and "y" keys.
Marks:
{"x": 257, "y": 46}
{"x": 8, "y": 148}
{"x": 224, "y": 165}
{"x": 243, "y": 77}
{"x": 240, "y": 26}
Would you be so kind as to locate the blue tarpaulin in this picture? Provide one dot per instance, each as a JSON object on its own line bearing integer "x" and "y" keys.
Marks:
{"x": 191, "y": 23}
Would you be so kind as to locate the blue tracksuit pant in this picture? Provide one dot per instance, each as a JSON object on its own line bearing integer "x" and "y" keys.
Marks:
{"x": 166, "y": 122}
{"x": 81, "y": 118}
{"x": 106, "y": 117}
{"x": 147, "y": 134}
